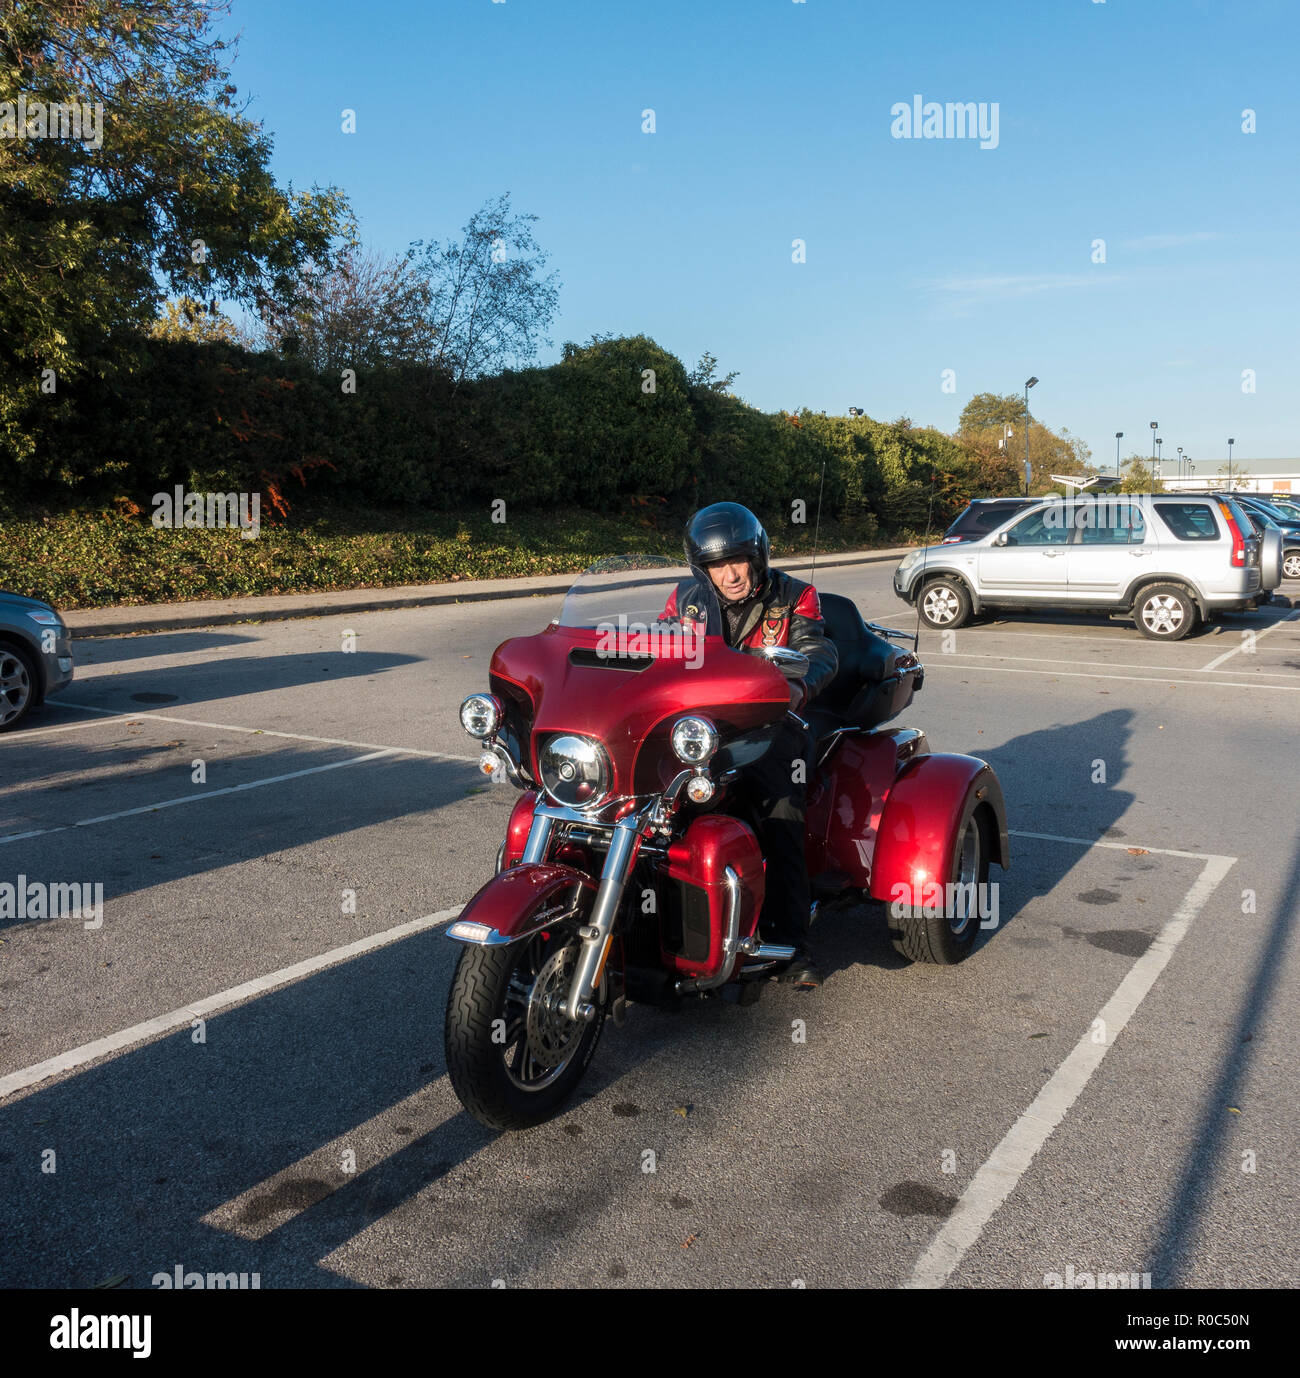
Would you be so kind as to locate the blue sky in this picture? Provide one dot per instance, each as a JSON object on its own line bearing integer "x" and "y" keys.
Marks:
{"x": 1119, "y": 121}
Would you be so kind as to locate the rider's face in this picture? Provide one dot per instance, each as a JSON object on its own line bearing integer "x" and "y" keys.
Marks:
{"x": 732, "y": 578}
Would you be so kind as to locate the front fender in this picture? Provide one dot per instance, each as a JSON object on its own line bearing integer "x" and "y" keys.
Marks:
{"x": 517, "y": 903}
{"x": 924, "y": 815}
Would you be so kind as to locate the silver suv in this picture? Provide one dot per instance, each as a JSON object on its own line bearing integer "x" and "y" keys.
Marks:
{"x": 1168, "y": 561}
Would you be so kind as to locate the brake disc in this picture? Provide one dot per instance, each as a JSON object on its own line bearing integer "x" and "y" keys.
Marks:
{"x": 553, "y": 1036}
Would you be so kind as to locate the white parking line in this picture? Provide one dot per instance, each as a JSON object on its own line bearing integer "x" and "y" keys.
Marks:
{"x": 1237, "y": 650}
{"x": 1008, "y": 1162}
{"x": 1133, "y": 679}
{"x": 198, "y": 798}
{"x": 212, "y": 1004}
{"x": 1113, "y": 664}
{"x": 255, "y": 731}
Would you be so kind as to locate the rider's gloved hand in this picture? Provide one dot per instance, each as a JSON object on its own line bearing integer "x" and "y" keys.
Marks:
{"x": 798, "y": 694}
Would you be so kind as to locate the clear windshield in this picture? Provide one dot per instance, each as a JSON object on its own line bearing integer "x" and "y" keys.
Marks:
{"x": 631, "y": 595}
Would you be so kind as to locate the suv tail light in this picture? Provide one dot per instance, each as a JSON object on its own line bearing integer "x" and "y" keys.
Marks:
{"x": 1238, "y": 540}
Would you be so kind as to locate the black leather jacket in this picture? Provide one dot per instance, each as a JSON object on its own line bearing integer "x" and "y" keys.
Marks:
{"x": 783, "y": 612}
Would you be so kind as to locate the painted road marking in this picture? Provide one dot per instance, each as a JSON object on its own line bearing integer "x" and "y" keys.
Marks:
{"x": 1227, "y": 655}
{"x": 1110, "y": 664}
{"x": 213, "y": 1004}
{"x": 1132, "y": 679}
{"x": 264, "y": 732}
{"x": 198, "y": 798}
{"x": 1009, "y": 1161}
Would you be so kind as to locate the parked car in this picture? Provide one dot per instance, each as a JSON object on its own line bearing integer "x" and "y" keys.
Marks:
{"x": 35, "y": 656}
{"x": 983, "y": 515}
{"x": 1272, "y": 514}
{"x": 1168, "y": 561}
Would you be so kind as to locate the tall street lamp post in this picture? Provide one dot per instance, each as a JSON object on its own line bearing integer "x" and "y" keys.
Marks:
{"x": 1231, "y": 443}
{"x": 1119, "y": 435}
{"x": 1180, "y": 464}
{"x": 1029, "y": 383}
{"x": 1155, "y": 425}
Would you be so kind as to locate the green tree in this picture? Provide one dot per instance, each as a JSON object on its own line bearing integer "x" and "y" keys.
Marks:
{"x": 168, "y": 186}
{"x": 186, "y": 319}
{"x": 991, "y": 411}
{"x": 1136, "y": 476}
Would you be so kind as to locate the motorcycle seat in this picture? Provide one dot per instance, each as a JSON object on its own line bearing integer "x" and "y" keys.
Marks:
{"x": 869, "y": 686}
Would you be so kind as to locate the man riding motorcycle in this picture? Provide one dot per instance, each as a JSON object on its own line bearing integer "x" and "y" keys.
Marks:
{"x": 765, "y": 607}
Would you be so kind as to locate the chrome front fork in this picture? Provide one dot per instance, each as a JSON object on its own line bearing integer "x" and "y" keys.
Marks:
{"x": 597, "y": 933}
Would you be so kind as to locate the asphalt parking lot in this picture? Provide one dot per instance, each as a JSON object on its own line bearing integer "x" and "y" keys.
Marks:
{"x": 240, "y": 1069}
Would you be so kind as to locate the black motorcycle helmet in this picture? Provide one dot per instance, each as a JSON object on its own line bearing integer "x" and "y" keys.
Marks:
{"x": 727, "y": 531}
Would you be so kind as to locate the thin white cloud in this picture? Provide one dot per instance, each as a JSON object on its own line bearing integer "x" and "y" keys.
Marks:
{"x": 963, "y": 293}
{"x": 1169, "y": 241}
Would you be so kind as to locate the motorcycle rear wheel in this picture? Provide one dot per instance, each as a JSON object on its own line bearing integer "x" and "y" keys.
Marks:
{"x": 513, "y": 1059}
{"x": 920, "y": 934}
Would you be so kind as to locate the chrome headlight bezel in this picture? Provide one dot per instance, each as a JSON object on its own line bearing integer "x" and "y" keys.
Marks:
{"x": 482, "y": 711}
{"x": 575, "y": 771}
{"x": 694, "y": 740}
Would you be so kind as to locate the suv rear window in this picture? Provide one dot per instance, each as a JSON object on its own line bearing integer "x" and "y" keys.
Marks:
{"x": 1189, "y": 521}
{"x": 984, "y": 518}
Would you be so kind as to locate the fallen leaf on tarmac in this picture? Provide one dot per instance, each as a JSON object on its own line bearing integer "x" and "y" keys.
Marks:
{"x": 115, "y": 1281}
{"x": 1043, "y": 1035}
{"x": 1137, "y": 851}
{"x": 682, "y": 1110}
{"x": 1232, "y": 1110}
{"x": 689, "y": 1240}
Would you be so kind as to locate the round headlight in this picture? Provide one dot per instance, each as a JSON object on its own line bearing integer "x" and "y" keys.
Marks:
{"x": 481, "y": 714}
{"x": 575, "y": 771}
{"x": 694, "y": 740}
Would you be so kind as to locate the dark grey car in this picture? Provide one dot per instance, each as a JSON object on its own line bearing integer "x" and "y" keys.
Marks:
{"x": 35, "y": 656}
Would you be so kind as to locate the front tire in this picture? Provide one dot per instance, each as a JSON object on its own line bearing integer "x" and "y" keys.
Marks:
{"x": 1165, "y": 612}
{"x": 946, "y": 937}
{"x": 944, "y": 604}
{"x": 19, "y": 685}
{"x": 513, "y": 1059}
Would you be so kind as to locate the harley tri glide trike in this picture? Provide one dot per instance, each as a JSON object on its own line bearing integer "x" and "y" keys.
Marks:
{"x": 629, "y": 870}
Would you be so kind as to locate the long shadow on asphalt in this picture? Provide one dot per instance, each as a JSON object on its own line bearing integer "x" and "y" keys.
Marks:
{"x": 149, "y": 1142}
{"x": 137, "y": 853}
{"x": 110, "y": 650}
{"x": 207, "y": 682}
{"x": 1218, "y": 1131}
{"x": 1068, "y": 755}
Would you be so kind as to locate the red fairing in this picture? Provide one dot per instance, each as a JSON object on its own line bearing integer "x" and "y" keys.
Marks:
{"x": 622, "y": 707}
{"x": 927, "y": 807}
{"x": 700, "y": 859}
{"x": 845, "y": 806}
{"x": 521, "y": 820}
{"x": 519, "y": 899}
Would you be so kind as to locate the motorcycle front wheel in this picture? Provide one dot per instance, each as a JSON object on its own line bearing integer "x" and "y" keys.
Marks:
{"x": 513, "y": 1058}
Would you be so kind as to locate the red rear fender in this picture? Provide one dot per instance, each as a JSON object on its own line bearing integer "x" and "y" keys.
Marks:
{"x": 924, "y": 815}
{"x": 522, "y": 900}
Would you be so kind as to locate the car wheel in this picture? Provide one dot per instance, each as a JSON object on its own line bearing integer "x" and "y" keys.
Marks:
{"x": 1291, "y": 564}
{"x": 18, "y": 683}
{"x": 1165, "y": 612}
{"x": 944, "y": 604}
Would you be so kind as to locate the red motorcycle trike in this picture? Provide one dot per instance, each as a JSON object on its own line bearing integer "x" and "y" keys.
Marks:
{"x": 629, "y": 872}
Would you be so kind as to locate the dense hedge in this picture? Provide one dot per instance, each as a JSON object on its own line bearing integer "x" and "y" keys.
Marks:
{"x": 586, "y": 432}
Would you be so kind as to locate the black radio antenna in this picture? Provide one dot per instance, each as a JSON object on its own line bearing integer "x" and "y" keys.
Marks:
{"x": 817, "y": 530}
